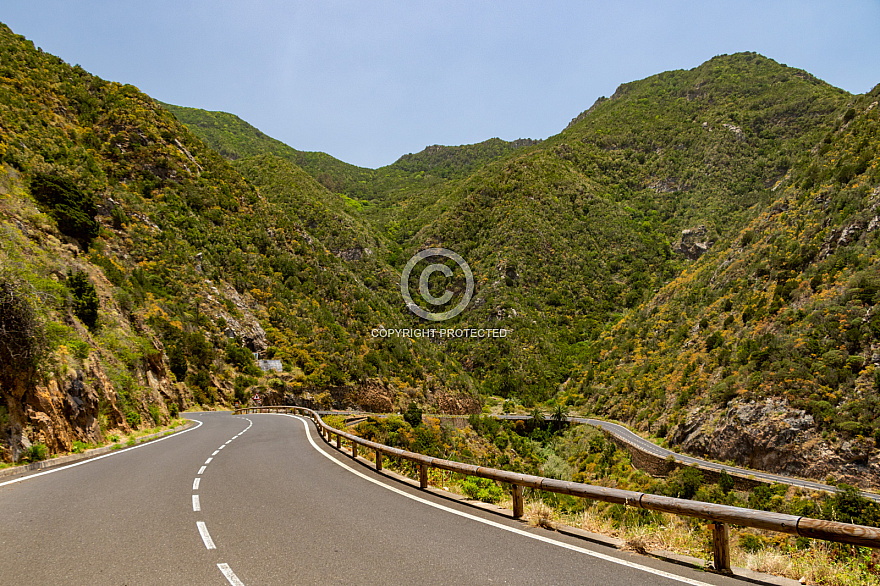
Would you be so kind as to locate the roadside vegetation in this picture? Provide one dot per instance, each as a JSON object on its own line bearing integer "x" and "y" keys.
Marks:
{"x": 585, "y": 454}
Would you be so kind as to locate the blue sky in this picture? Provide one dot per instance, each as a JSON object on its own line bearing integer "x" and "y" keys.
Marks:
{"x": 370, "y": 81}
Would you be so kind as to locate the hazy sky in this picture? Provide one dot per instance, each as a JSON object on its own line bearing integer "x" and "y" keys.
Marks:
{"x": 369, "y": 81}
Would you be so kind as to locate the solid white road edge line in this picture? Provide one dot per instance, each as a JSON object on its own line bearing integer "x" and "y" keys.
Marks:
{"x": 96, "y": 458}
{"x": 230, "y": 575}
{"x": 196, "y": 483}
{"x": 542, "y": 538}
{"x": 197, "y": 506}
{"x": 206, "y": 537}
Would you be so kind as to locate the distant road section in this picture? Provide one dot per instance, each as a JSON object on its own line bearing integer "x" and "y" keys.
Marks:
{"x": 624, "y": 434}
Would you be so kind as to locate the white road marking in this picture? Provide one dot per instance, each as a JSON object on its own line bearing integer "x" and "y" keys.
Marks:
{"x": 227, "y": 443}
{"x": 215, "y": 452}
{"x": 208, "y": 461}
{"x": 501, "y": 526}
{"x": 230, "y": 575}
{"x": 96, "y": 458}
{"x": 197, "y": 505}
{"x": 196, "y": 483}
{"x": 206, "y": 537}
{"x": 202, "y": 469}
{"x": 220, "y": 448}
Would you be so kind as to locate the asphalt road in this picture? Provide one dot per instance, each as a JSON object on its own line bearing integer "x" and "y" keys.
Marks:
{"x": 261, "y": 499}
{"x": 630, "y": 437}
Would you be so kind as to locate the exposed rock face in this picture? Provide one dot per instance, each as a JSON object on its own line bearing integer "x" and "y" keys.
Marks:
{"x": 693, "y": 243}
{"x": 353, "y": 254}
{"x": 773, "y": 436}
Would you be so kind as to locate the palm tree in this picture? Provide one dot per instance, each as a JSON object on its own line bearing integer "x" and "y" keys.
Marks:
{"x": 537, "y": 417}
{"x": 560, "y": 415}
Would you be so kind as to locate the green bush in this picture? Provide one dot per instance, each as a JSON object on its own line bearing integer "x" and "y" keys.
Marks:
{"x": 178, "y": 363}
{"x": 73, "y": 211}
{"x": 482, "y": 489}
{"x": 79, "y": 447}
{"x": 413, "y": 415}
{"x": 133, "y": 418}
{"x": 36, "y": 453}
{"x": 155, "y": 414}
{"x": 85, "y": 298}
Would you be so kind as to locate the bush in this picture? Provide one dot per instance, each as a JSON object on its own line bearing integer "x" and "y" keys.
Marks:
{"x": 73, "y": 211}
{"x": 155, "y": 414}
{"x": 133, "y": 418}
{"x": 36, "y": 453}
{"x": 177, "y": 362}
{"x": 482, "y": 489}
{"x": 21, "y": 338}
{"x": 413, "y": 415}
{"x": 85, "y": 298}
{"x": 684, "y": 483}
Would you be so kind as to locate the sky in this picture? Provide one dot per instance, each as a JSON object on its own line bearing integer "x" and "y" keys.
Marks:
{"x": 368, "y": 82}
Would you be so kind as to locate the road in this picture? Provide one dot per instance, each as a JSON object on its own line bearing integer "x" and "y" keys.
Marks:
{"x": 261, "y": 499}
{"x": 630, "y": 437}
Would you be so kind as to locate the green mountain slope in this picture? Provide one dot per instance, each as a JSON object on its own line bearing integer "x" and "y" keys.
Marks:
{"x": 145, "y": 268}
{"x": 767, "y": 350}
{"x": 566, "y": 235}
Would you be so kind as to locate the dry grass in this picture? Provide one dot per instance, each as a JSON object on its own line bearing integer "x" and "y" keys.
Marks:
{"x": 540, "y": 515}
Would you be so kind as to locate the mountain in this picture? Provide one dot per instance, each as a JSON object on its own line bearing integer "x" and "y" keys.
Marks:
{"x": 766, "y": 351}
{"x": 694, "y": 255}
{"x": 139, "y": 269}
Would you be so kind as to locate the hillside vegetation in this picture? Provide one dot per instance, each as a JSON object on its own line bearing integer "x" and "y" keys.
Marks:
{"x": 695, "y": 255}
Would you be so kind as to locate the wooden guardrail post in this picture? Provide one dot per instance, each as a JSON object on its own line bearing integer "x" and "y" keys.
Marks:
{"x": 423, "y": 475}
{"x": 517, "y": 501}
{"x": 354, "y": 450}
{"x": 338, "y": 442}
{"x": 378, "y": 461}
{"x": 721, "y": 546}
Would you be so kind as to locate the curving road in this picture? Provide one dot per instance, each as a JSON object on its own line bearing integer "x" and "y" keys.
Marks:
{"x": 261, "y": 499}
{"x": 623, "y": 433}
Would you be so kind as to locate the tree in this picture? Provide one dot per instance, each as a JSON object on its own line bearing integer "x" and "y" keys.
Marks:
{"x": 85, "y": 298}
{"x": 74, "y": 211}
{"x": 21, "y": 338}
{"x": 560, "y": 415}
{"x": 413, "y": 415}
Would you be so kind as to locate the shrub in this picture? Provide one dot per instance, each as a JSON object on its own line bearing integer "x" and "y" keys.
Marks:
{"x": 85, "y": 298}
{"x": 177, "y": 362}
{"x": 73, "y": 211}
{"x": 36, "y": 453}
{"x": 133, "y": 418}
{"x": 155, "y": 414}
{"x": 482, "y": 489}
{"x": 21, "y": 338}
{"x": 413, "y": 415}
{"x": 684, "y": 482}
{"x": 79, "y": 447}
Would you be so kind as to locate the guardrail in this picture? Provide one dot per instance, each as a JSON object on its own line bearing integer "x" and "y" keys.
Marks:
{"x": 720, "y": 516}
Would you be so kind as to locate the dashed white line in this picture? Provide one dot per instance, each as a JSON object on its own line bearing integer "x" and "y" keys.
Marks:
{"x": 196, "y": 483}
{"x": 230, "y": 575}
{"x": 202, "y": 469}
{"x": 220, "y": 448}
{"x": 197, "y": 505}
{"x": 215, "y": 452}
{"x": 227, "y": 443}
{"x": 206, "y": 537}
{"x": 208, "y": 461}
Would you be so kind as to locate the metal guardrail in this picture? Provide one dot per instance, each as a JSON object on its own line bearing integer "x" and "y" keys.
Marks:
{"x": 720, "y": 516}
